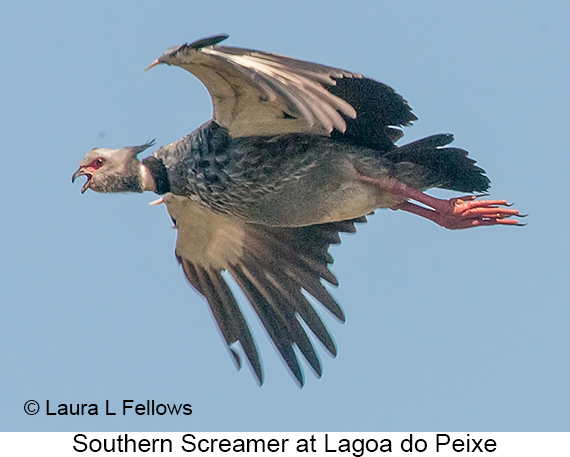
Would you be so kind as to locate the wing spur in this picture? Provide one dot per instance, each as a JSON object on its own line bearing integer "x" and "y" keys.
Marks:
{"x": 272, "y": 266}
{"x": 259, "y": 93}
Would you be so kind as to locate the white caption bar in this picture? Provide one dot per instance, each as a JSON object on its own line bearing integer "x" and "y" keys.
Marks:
{"x": 302, "y": 444}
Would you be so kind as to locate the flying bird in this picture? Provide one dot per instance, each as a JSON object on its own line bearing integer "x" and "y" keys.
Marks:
{"x": 295, "y": 154}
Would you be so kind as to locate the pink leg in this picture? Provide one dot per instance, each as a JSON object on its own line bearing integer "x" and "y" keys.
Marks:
{"x": 455, "y": 213}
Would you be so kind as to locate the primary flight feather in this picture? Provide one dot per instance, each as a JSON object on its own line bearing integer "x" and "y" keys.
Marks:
{"x": 295, "y": 154}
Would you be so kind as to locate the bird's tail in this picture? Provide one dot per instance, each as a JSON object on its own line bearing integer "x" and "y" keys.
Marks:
{"x": 427, "y": 163}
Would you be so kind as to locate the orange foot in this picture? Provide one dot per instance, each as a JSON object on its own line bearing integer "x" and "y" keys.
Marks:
{"x": 462, "y": 217}
{"x": 455, "y": 213}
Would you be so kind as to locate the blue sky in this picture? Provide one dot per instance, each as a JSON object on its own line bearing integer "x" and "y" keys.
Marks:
{"x": 445, "y": 330}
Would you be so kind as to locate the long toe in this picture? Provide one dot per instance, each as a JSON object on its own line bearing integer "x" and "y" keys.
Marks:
{"x": 491, "y": 211}
{"x": 461, "y": 205}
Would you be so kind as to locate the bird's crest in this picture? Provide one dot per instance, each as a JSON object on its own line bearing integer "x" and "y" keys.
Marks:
{"x": 136, "y": 150}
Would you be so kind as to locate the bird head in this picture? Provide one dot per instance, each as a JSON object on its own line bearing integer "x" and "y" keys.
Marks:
{"x": 112, "y": 170}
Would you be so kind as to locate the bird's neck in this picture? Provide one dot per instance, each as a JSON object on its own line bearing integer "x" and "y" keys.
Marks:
{"x": 154, "y": 176}
{"x": 147, "y": 181}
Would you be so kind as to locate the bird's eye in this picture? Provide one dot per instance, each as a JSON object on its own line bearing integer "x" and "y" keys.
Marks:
{"x": 97, "y": 163}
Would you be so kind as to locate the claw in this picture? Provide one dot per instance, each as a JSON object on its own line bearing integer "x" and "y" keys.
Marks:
{"x": 467, "y": 198}
{"x": 156, "y": 202}
{"x": 154, "y": 64}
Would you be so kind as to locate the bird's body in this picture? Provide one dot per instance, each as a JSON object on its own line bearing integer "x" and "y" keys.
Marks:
{"x": 286, "y": 180}
{"x": 295, "y": 154}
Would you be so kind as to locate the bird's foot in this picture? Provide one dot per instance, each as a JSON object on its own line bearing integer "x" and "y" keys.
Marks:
{"x": 455, "y": 213}
{"x": 465, "y": 217}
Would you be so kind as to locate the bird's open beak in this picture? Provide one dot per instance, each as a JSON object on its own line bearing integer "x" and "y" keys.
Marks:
{"x": 154, "y": 64}
{"x": 82, "y": 172}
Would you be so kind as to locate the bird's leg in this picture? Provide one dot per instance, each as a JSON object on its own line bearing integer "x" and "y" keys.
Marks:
{"x": 455, "y": 213}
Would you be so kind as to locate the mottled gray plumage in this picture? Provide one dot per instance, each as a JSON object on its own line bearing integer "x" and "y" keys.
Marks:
{"x": 295, "y": 154}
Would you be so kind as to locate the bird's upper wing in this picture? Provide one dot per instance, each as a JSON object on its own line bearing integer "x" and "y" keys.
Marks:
{"x": 272, "y": 266}
{"x": 258, "y": 93}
